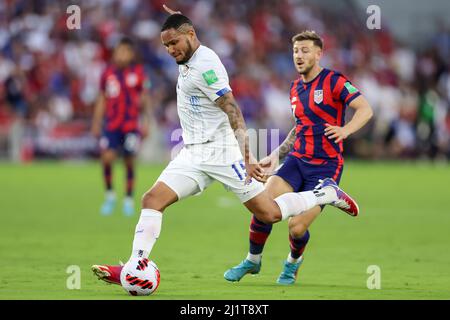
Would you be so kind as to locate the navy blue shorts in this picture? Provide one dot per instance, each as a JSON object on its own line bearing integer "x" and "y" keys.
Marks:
{"x": 304, "y": 176}
{"x": 126, "y": 142}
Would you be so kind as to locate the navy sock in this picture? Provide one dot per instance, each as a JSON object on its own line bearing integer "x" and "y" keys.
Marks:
{"x": 130, "y": 180}
{"x": 107, "y": 176}
{"x": 259, "y": 231}
{"x": 298, "y": 245}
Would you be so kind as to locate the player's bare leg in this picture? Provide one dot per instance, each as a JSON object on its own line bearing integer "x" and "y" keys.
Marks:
{"x": 128, "y": 201}
{"x": 107, "y": 159}
{"x": 154, "y": 201}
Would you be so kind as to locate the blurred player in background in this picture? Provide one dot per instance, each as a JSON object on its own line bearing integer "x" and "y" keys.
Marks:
{"x": 216, "y": 149}
{"x": 123, "y": 98}
{"x": 312, "y": 151}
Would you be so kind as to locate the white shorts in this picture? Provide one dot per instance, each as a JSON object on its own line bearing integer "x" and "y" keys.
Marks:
{"x": 187, "y": 177}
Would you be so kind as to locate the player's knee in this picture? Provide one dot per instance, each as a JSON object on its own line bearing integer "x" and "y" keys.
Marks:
{"x": 297, "y": 229}
{"x": 108, "y": 157}
{"x": 268, "y": 217}
{"x": 151, "y": 201}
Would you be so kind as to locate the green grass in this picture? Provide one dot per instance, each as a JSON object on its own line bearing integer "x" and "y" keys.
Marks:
{"x": 50, "y": 220}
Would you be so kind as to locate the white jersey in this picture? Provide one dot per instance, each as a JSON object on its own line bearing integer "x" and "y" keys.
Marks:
{"x": 201, "y": 81}
{"x": 211, "y": 152}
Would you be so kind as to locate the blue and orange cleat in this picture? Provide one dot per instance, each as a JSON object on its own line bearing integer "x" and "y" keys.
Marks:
{"x": 344, "y": 202}
{"x": 109, "y": 274}
{"x": 246, "y": 266}
{"x": 289, "y": 273}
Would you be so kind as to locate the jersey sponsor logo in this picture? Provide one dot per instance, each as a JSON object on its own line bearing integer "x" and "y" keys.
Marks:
{"x": 350, "y": 88}
{"x": 210, "y": 77}
{"x": 318, "y": 96}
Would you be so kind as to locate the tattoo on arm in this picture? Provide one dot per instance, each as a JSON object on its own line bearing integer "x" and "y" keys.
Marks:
{"x": 287, "y": 145}
{"x": 229, "y": 105}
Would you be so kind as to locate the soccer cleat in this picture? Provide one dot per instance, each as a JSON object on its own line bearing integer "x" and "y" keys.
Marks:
{"x": 110, "y": 274}
{"x": 246, "y": 266}
{"x": 344, "y": 202}
{"x": 108, "y": 206}
{"x": 289, "y": 273}
{"x": 128, "y": 206}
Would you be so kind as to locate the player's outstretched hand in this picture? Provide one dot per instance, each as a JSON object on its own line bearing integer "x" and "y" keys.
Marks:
{"x": 335, "y": 132}
{"x": 254, "y": 170}
{"x": 170, "y": 11}
{"x": 268, "y": 164}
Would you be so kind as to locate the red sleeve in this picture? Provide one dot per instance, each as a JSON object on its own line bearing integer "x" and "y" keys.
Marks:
{"x": 343, "y": 89}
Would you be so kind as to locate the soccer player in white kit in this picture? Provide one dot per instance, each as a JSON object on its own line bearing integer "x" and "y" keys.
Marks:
{"x": 216, "y": 148}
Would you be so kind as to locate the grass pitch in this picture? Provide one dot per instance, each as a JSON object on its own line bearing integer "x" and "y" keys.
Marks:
{"x": 50, "y": 220}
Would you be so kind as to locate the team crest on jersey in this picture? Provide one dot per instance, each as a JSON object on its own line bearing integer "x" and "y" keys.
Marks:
{"x": 318, "y": 96}
{"x": 131, "y": 79}
{"x": 112, "y": 87}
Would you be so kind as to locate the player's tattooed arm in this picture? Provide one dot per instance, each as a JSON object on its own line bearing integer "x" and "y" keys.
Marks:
{"x": 271, "y": 162}
{"x": 229, "y": 105}
{"x": 284, "y": 149}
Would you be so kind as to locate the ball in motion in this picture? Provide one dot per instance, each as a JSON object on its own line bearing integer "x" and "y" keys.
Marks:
{"x": 140, "y": 277}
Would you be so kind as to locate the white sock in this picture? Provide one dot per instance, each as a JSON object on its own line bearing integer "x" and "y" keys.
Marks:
{"x": 146, "y": 233}
{"x": 326, "y": 195}
{"x": 255, "y": 258}
{"x": 295, "y": 203}
{"x": 128, "y": 199}
{"x": 110, "y": 195}
{"x": 290, "y": 259}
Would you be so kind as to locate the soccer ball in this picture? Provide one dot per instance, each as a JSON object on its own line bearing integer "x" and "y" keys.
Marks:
{"x": 140, "y": 277}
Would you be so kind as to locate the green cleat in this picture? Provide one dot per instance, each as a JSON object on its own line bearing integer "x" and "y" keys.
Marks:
{"x": 246, "y": 266}
{"x": 289, "y": 273}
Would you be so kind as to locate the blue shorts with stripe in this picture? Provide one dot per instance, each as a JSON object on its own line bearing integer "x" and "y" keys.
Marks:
{"x": 304, "y": 176}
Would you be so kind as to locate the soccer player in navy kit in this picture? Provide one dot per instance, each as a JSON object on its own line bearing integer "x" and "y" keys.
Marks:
{"x": 312, "y": 151}
{"x": 123, "y": 98}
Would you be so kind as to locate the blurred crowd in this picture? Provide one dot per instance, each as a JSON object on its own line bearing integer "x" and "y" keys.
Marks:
{"x": 49, "y": 75}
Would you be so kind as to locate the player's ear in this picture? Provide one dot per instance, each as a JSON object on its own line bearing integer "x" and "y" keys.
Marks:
{"x": 319, "y": 54}
{"x": 191, "y": 34}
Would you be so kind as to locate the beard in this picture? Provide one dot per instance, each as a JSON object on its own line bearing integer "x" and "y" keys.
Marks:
{"x": 306, "y": 70}
{"x": 188, "y": 54}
